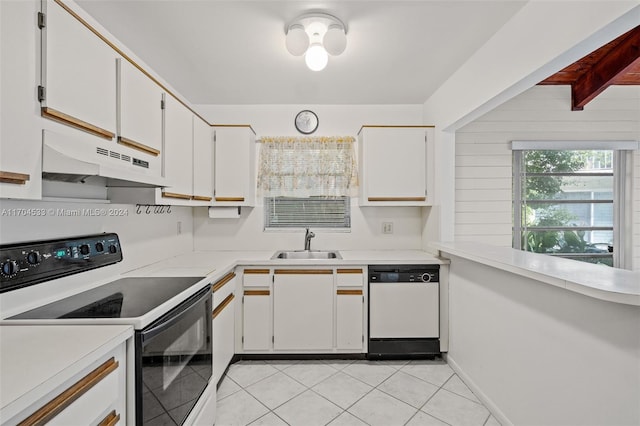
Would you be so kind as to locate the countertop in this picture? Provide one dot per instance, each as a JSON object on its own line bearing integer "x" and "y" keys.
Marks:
{"x": 215, "y": 264}
{"x": 598, "y": 281}
{"x": 35, "y": 360}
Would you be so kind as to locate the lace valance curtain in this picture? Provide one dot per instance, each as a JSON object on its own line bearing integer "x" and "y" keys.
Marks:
{"x": 307, "y": 167}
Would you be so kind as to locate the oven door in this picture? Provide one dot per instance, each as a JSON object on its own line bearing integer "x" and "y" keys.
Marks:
{"x": 174, "y": 362}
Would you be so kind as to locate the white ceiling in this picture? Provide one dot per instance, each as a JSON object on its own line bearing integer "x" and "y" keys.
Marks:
{"x": 232, "y": 52}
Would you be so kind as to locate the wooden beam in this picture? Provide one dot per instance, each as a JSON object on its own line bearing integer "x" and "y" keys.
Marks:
{"x": 604, "y": 72}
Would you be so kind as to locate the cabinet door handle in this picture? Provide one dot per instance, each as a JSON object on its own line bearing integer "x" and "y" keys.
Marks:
{"x": 222, "y": 305}
{"x": 176, "y": 195}
{"x": 257, "y": 292}
{"x": 66, "y": 398}
{"x": 256, "y": 271}
{"x": 229, "y": 199}
{"x": 16, "y": 178}
{"x": 61, "y": 117}
{"x": 111, "y": 420}
{"x": 397, "y": 198}
{"x": 303, "y": 271}
{"x": 139, "y": 146}
{"x": 201, "y": 198}
{"x": 349, "y": 271}
{"x": 218, "y": 285}
{"x": 349, "y": 292}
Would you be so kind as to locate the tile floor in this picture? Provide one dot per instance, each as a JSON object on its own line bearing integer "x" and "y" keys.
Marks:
{"x": 347, "y": 392}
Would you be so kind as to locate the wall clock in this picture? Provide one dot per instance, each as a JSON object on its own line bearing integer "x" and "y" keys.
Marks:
{"x": 306, "y": 122}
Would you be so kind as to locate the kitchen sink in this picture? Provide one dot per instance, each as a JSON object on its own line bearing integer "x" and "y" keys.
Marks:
{"x": 307, "y": 254}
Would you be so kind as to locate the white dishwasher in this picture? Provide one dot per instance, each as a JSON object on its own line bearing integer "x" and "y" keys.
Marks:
{"x": 404, "y": 320}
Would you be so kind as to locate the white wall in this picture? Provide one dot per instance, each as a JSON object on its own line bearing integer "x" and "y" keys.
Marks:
{"x": 483, "y": 158}
{"x": 145, "y": 238}
{"x": 541, "y": 355}
{"x": 366, "y": 223}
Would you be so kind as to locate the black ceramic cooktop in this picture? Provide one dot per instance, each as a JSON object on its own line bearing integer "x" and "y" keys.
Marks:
{"x": 123, "y": 298}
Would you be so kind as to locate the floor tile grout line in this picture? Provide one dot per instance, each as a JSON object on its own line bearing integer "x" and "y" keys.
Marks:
{"x": 452, "y": 391}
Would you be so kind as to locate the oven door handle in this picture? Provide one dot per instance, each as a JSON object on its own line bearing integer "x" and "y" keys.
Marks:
{"x": 182, "y": 310}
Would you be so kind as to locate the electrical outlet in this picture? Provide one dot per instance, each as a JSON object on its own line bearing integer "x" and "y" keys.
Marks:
{"x": 179, "y": 227}
{"x": 387, "y": 227}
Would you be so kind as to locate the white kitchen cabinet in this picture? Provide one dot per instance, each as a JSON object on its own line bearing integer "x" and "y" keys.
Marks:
{"x": 178, "y": 152}
{"x": 78, "y": 75}
{"x": 21, "y": 147}
{"x": 234, "y": 174}
{"x": 139, "y": 110}
{"x": 350, "y": 309}
{"x": 256, "y": 310}
{"x": 202, "y": 161}
{"x": 223, "y": 324}
{"x": 395, "y": 165}
{"x": 303, "y": 309}
{"x": 80, "y": 379}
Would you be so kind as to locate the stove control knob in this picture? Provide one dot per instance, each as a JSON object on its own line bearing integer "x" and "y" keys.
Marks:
{"x": 426, "y": 277}
{"x": 10, "y": 268}
{"x": 99, "y": 247}
{"x": 84, "y": 249}
{"x": 113, "y": 249}
{"x": 34, "y": 258}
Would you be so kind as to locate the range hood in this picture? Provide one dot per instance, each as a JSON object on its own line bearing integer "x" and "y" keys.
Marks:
{"x": 66, "y": 159}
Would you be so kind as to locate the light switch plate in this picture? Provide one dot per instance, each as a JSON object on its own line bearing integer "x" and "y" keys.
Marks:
{"x": 387, "y": 227}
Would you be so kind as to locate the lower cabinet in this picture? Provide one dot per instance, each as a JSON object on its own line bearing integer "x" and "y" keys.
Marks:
{"x": 303, "y": 309}
{"x": 349, "y": 314}
{"x": 94, "y": 393}
{"x": 223, "y": 323}
{"x": 223, "y": 337}
{"x": 292, "y": 309}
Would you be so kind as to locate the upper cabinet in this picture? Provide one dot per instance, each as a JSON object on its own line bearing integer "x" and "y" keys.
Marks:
{"x": 202, "y": 161}
{"x": 78, "y": 76}
{"x": 139, "y": 110}
{"x": 20, "y": 136}
{"x": 178, "y": 150}
{"x": 394, "y": 165}
{"x": 235, "y": 175}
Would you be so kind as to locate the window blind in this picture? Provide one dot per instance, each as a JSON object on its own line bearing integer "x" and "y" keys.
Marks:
{"x": 313, "y": 212}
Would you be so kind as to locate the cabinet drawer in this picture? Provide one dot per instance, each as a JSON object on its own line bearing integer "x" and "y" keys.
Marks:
{"x": 256, "y": 277}
{"x": 88, "y": 400}
{"x": 223, "y": 288}
{"x": 350, "y": 277}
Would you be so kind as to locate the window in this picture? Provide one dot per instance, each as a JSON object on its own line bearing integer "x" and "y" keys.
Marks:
{"x": 566, "y": 201}
{"x": 312, "y": 212}
{"x": 307, "y": 181}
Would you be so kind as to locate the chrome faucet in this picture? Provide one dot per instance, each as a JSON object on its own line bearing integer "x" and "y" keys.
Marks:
{"x": 307, "y": 239}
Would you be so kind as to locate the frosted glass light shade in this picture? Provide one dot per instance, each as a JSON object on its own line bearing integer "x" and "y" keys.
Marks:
{"x": 297, "y": 40}
{"x": 316, "y": 57}
{"x": 335, "y": 40}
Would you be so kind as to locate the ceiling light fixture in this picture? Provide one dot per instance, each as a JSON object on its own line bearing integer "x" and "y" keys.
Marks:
{"x": 316, "y": 36}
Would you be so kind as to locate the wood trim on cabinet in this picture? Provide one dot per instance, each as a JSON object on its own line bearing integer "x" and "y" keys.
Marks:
{"x": 239, "y": 199}
{"x": 256, "y": 271}
{"x": 303, "y": 271}
{"x": 349, "y": 292}
{"x": 397, "y": 198}
{"x": 221, "y": 282}
{"x": 201, "y": 198}
{"x": 139, "y": 146}
{"x": 66, "y": 398}
{"x": 111, "y": 420}
{"x": 235, "y": 125}
{"x": 257, "y": 292}
{"x": 176, "y": 195}
{"x": 63, "y": 118}
{"x": 222, "y": 305}
{"x": 127, "y": 57}
{"x": 12, "y": 177}
{"x": 349, "y": 271}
